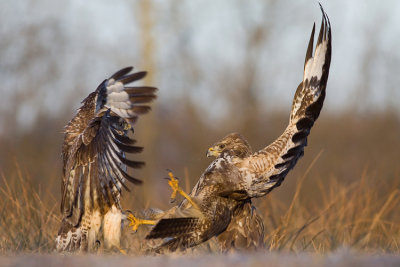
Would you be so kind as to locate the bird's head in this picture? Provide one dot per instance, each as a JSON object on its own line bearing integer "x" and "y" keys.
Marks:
{"x": 233, "y": 143}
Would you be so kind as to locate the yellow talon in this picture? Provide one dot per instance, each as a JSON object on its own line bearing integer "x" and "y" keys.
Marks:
{"x": 173, "y": 183}
{"x": 122, "y": 251}
{"x": 135, "y": 222}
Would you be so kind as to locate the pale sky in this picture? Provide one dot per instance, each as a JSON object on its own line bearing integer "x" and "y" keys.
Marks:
{"x": 54, "y": 53}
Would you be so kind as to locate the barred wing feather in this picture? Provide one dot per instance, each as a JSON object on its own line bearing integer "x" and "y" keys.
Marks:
{"x": 267, "y": 168}
{"x": 96, "y": 142}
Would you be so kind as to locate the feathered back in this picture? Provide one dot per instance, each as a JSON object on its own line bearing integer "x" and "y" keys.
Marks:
{"x": 96, "y": 142}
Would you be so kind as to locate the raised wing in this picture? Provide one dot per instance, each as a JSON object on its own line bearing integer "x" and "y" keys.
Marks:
{"x": 267, "y": 168}
{"x": 96, "y": 142}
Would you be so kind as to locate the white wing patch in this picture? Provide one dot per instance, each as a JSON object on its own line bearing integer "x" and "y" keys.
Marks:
{"x": 267, "y": 168}
{"x": 314, "y": 65}
{"x": 113, "y": 86}
{"x": 118, "y": 100}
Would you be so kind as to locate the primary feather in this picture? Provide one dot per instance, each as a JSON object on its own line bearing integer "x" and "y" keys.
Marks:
{"x": 267, "y": 168}
{"x": 94, "y": 153}
{"x": 237, "y": 175}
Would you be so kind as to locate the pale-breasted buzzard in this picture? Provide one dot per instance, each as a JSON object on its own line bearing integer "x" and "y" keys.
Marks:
{"x": 237, "y": 174}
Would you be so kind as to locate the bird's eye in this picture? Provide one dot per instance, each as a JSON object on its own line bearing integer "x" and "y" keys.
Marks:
{"x": 222, "y": 146}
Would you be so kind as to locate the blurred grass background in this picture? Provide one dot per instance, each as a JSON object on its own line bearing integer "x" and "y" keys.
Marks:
{"x": 343, "y": 193}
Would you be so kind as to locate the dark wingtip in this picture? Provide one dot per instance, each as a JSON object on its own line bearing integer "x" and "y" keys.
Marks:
{"x": 321, "y": 31}
{"x": 322, "y": 9}
{"x": 310, "y": 46}
{"x": 135, "y": 181}
{"x": 320, "y": 5}
{"x": 132, "y": 77}
{"x": 325, "y": 24}
{"x": 325, "y": 33}
{"x": 121, "y": 73}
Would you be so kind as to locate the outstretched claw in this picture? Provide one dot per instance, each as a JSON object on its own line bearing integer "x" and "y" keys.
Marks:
{"x": 174, "y": 184}
{"x": 135, "y": 222}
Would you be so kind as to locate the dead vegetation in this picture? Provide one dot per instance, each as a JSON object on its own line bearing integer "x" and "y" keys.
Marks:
{"x": 321, "y": 206}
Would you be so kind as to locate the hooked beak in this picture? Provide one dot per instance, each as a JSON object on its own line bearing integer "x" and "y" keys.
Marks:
{"x": 211, "y": 152}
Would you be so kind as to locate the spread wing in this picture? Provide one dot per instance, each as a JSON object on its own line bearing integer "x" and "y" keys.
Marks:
{"x": 267, "y": 168}
{"x": 96, "y": 142}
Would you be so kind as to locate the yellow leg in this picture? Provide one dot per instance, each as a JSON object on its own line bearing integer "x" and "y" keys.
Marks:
{"x": 173, "y": 183}
{"x": 135, "y": 222}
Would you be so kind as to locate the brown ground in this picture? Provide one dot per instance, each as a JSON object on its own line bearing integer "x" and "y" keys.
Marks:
{"x": 341, "y": 258}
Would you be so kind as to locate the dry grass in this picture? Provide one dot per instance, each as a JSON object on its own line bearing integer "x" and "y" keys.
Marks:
{"x": 28, "y": 218}
{"x": 361, "y": 215}
{"x": 346, "y": 196}
{"x": 354, "y": 215}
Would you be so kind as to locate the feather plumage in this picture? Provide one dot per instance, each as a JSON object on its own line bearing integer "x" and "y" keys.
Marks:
{"x": 225, "y": 189}
{"x": 95, "y": 147}
{"x": 267, "y": 168}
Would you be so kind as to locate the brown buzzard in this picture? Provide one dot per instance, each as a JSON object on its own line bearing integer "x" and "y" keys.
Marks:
{"x": 219, "y": 202}
{"x": 95, "y": 165}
